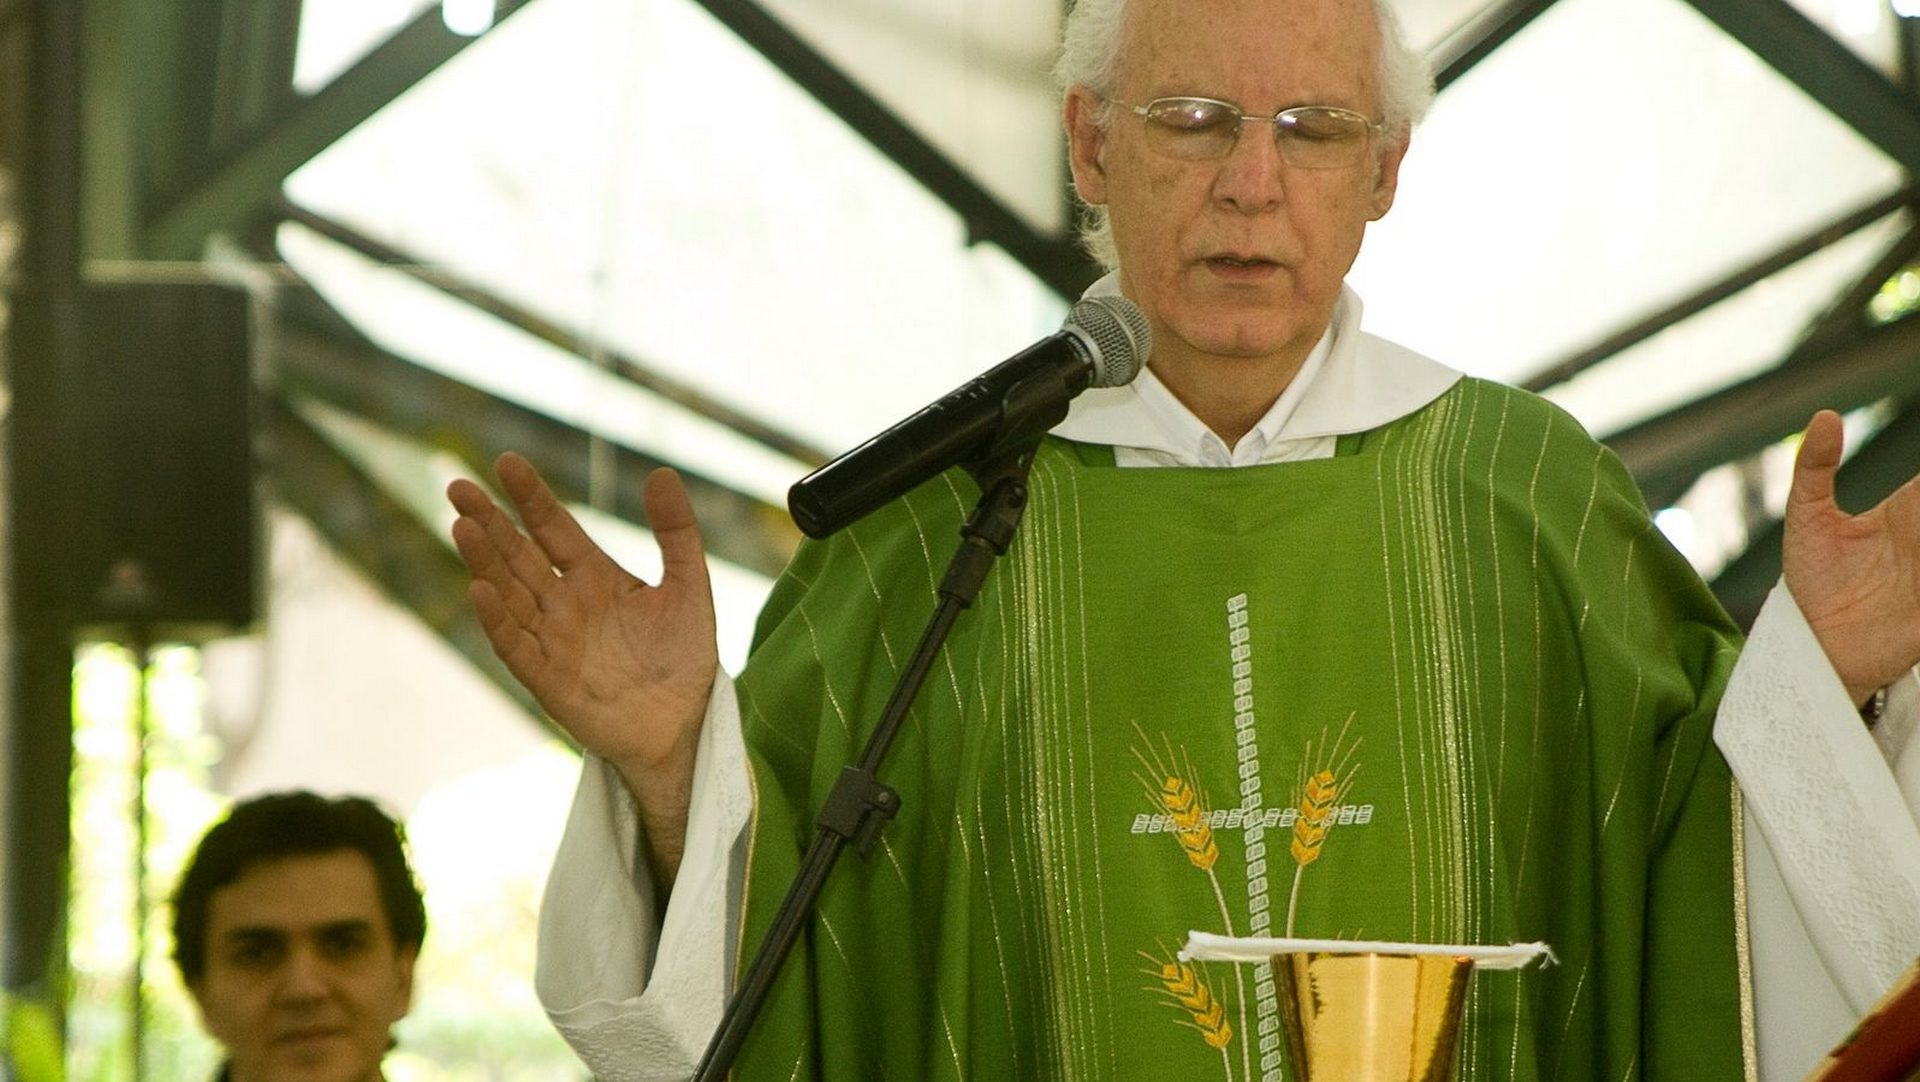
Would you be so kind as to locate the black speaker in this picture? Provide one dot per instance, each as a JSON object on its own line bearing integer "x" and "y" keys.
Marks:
{"x": 147, "y": 468}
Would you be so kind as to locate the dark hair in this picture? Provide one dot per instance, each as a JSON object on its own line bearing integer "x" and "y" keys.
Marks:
{"x": 296, "y": 823}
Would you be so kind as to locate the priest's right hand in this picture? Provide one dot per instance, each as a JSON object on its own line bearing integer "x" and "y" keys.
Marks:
{"x": 626, "y": 668}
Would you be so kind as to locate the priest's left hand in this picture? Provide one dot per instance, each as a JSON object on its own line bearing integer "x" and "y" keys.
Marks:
{"x": 1855, "y": 577}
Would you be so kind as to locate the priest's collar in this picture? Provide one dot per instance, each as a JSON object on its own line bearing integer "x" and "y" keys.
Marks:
{"x": 1351, "y": 382}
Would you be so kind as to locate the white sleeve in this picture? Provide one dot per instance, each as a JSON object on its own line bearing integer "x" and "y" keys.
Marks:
{"x": 1833, "y": 860}
{"x": 638, "y": 999}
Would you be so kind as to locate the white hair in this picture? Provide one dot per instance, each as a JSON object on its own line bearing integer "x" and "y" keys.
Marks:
{"x": 1095, "y": 38}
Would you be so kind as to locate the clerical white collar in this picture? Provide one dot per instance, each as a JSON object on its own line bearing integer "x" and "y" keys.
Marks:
{"x": 1351, "y": 382}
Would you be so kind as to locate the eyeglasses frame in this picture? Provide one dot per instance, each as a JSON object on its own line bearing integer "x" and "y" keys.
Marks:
{"x": 1143, "y": 111}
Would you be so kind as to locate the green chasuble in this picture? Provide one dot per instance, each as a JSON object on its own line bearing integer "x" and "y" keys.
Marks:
{"x": 1448, "y": 686}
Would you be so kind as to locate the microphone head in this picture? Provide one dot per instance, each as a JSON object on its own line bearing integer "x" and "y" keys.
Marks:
{"x": 1116, "y": 334}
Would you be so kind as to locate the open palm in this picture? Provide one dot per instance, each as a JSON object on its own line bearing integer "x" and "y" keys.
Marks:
{"x": 623, "y": 666}
{"x": 1855, "y": 577}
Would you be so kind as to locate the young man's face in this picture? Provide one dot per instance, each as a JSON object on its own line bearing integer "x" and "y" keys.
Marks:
{"x": 303, "y": 981}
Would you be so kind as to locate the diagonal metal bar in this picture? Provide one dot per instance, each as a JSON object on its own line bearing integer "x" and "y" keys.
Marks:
{"x": 1806, "y": 54}
{"x": 1055, "y": 261}
{"x": 1667, "y": 453}
{"x": 1847, "y": 317}
{"x": 1750, "y": 275}
{"x": 239, "y": 188}
{"x": 1476, "y": 41}
{"x": 452, "y": 284}
{"x": 379, "y": 536}
{"x": 319, "y": 354}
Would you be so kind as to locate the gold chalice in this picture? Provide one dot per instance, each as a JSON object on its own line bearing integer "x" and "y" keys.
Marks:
{"x": 1370, "y": 1017}
{"x": 1358, "y": 1011}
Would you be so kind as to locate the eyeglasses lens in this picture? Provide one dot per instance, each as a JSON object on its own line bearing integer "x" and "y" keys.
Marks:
{"x": 1192, "y": 128}
{"x": 1309, "y": 137}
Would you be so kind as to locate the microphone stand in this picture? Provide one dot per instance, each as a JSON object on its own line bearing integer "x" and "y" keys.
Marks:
{"x": 859, "y": 805}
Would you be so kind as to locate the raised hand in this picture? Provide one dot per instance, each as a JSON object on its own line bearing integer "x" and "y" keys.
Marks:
{"x": 1856, "y": 577}
{"x": 625, "y": 667}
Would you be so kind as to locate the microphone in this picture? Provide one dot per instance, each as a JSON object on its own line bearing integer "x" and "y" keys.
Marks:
{"x": 1102, "y": 344}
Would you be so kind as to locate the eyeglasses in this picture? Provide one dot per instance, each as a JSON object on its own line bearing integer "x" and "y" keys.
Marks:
{"x": 1206, "y": 129}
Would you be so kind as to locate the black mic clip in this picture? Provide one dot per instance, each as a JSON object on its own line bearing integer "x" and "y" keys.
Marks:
{"x": 857, "y": 807}
{"x": 1028, "y": 411}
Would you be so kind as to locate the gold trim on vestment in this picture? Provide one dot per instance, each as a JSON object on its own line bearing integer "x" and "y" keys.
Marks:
{"x": 1743, "y": 947}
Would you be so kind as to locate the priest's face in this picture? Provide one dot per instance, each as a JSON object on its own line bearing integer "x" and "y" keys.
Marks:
{"x": 1236, "y": 253}
{"x": 303, "y": 981}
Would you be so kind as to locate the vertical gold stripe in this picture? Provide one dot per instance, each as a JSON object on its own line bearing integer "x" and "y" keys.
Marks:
{"x": 746, "y": 877}
{"x": 1743, "y": 946}
{"x": 1077, "y": 676}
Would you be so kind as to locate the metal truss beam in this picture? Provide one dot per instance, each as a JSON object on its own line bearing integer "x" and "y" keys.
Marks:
{"x": 1667, "y": 453}
{"x": 1056, "y": 261}
{"x": 1477, "y": 40}
{"x": 507, "y": 311}
{"x": 320, "y": 355}
{"x": 1793, "y": 252}
{"x": 238, "y": 189}
{"x": 1811, "y": 58}
{"x": 1846, "y": 318}
{"x": 40, "y": 109}
{"x": 379, "y": 536}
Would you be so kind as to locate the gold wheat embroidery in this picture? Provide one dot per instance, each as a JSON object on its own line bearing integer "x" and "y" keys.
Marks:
{"x": 1184, "y": 987}
{"x": 1190, "y": 823}
{"x": 1169, "y": 788}
{"x": 1315, "y": 799}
